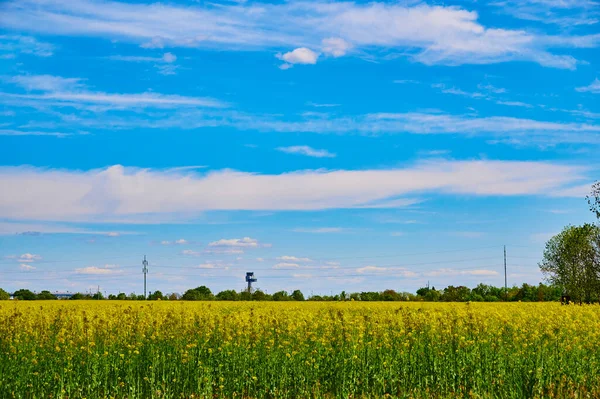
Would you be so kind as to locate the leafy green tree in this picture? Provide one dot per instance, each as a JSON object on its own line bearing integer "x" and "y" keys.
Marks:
{"x": 390, "y": 295}
{"x": 46, "y": 295}
{"x": 370, "y": 296}
{"x": 24, "y": 295}
{"x": 572, "y": 261}
{"x": 202, "y": 293}
{"x": 245, "y": 296}
{"x": 228, "y": 295}
{"x": 594, "y": 199}
{"x": 121, "y": 296}
{"x": 281, "y": 296}
{"x": 258, "y": 295}
{"x": 456, "y": 294}
{"x": 156, "y": 296}
{"x": 79, "y": 295}
{"x": 297, "y": 295}
{"x": 173, "y": 297}
{"x": 4, "y": 296}
{"x": 97, "y": 296}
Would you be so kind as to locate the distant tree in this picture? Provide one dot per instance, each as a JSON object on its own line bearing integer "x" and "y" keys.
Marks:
{"x": 202, "y": 293}
{"x": 258, "y": 295}
{"x": 355, "y": 296}
{"x": 456, "y": 294}
{"x": 572, "y": 261}
{"x": 24, "y": 295}
{"x": 46, "y": 295}
{"x": 4, "y": 296}
{"x": 228, "y": 295}
{"x": 245, "y": 296}
{"x": 121, "y": 296}
{"x": 594, "y": 199}
{"x": 390, "y": 295}
{"x": 173, "y": 296}
{"x": 370, "y": 296}
{"x": 79, "y": 295}
{"x": 297, "y": 295}
{"x": 315, "y": 298}
{"x": 97, "y": 296}
{"x": 156, "y": 296}
{"x": 281, "y": 296}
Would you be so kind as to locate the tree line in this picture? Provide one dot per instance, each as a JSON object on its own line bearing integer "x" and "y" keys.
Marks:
{"x": 481, "y": 293}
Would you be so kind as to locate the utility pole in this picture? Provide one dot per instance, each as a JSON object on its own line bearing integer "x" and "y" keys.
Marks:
{"x": 98, "y": 293}
{"x": 145, "y": 271}
{"x": 505, "y": 284}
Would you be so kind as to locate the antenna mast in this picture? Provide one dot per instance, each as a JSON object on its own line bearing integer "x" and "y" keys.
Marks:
{"x": 145, "y": 271}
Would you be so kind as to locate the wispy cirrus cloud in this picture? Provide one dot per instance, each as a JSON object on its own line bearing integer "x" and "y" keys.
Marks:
{"x": 307, "y": 151}
{"x": 429, "y": 34}
{"x": 164, "y": 64}
{"x": 118, "y": 192}
{"x": 73, "y": 92}
{"x": 593, "y": 87}
{"x": 560, "y": 12}
{"x": 12, "y": 46}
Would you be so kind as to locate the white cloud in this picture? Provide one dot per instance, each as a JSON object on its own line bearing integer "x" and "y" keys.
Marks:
{"x": 396, "y": 271}
{"x": 287, "y": 258}
{"x": 565, "y": 13}
{"x": 61, "y": 91}
{"x": 29, "y": 257}
{"x": 335, "y": 47}
{"x": 286, "y": 265}
{"x": 94, "y": 270}
{"x": 113, "y": 234}
{"x": 301, "y": 55}
{"x": 24, "y": 266}
{"x": 245, "y": 242}
{"x": 260, "y": 259}
{"x": 181, "y": 241}
{"x": 306, "y": 150}
{"x": 165, "y": 242}
{"x": 121, "y": 193}
{"x": 12, "y": 45}
{"x": 207, "y": 266}
{"x": 430, "y": 34}
{"x": 593, "y": 87}
{"x": 47, "y": 83}
{"x": 514, "y": 104}
{"x": 190, "y": 252}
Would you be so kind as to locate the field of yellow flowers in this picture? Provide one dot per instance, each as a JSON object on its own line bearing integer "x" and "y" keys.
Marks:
{"x": 72, "y": 349}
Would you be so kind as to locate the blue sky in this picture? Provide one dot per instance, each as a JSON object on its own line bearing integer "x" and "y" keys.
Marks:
{"x": 326, "y": 146}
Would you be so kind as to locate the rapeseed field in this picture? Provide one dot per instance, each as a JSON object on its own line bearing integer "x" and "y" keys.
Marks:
{"x": 86, "y": 349}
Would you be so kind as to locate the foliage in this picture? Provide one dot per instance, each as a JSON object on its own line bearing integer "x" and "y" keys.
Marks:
{"x": 297, "y": 295}
{"x": 24, "y": 295}
{"x": 103, "y": 349}
{"x": 156, "y": 296}
{"x": 228, "y": 295}
{"x": 572, "y": 261}
{"x": 46, "y": 295}
{"x": 594, "y": 199}
{"x": 4, "y": 295}
{"x": 202, "y": 293}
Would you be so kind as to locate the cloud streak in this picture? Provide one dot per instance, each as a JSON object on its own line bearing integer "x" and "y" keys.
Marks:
{"x": 119, "y": 193}
{"x": 429, "y": 34}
